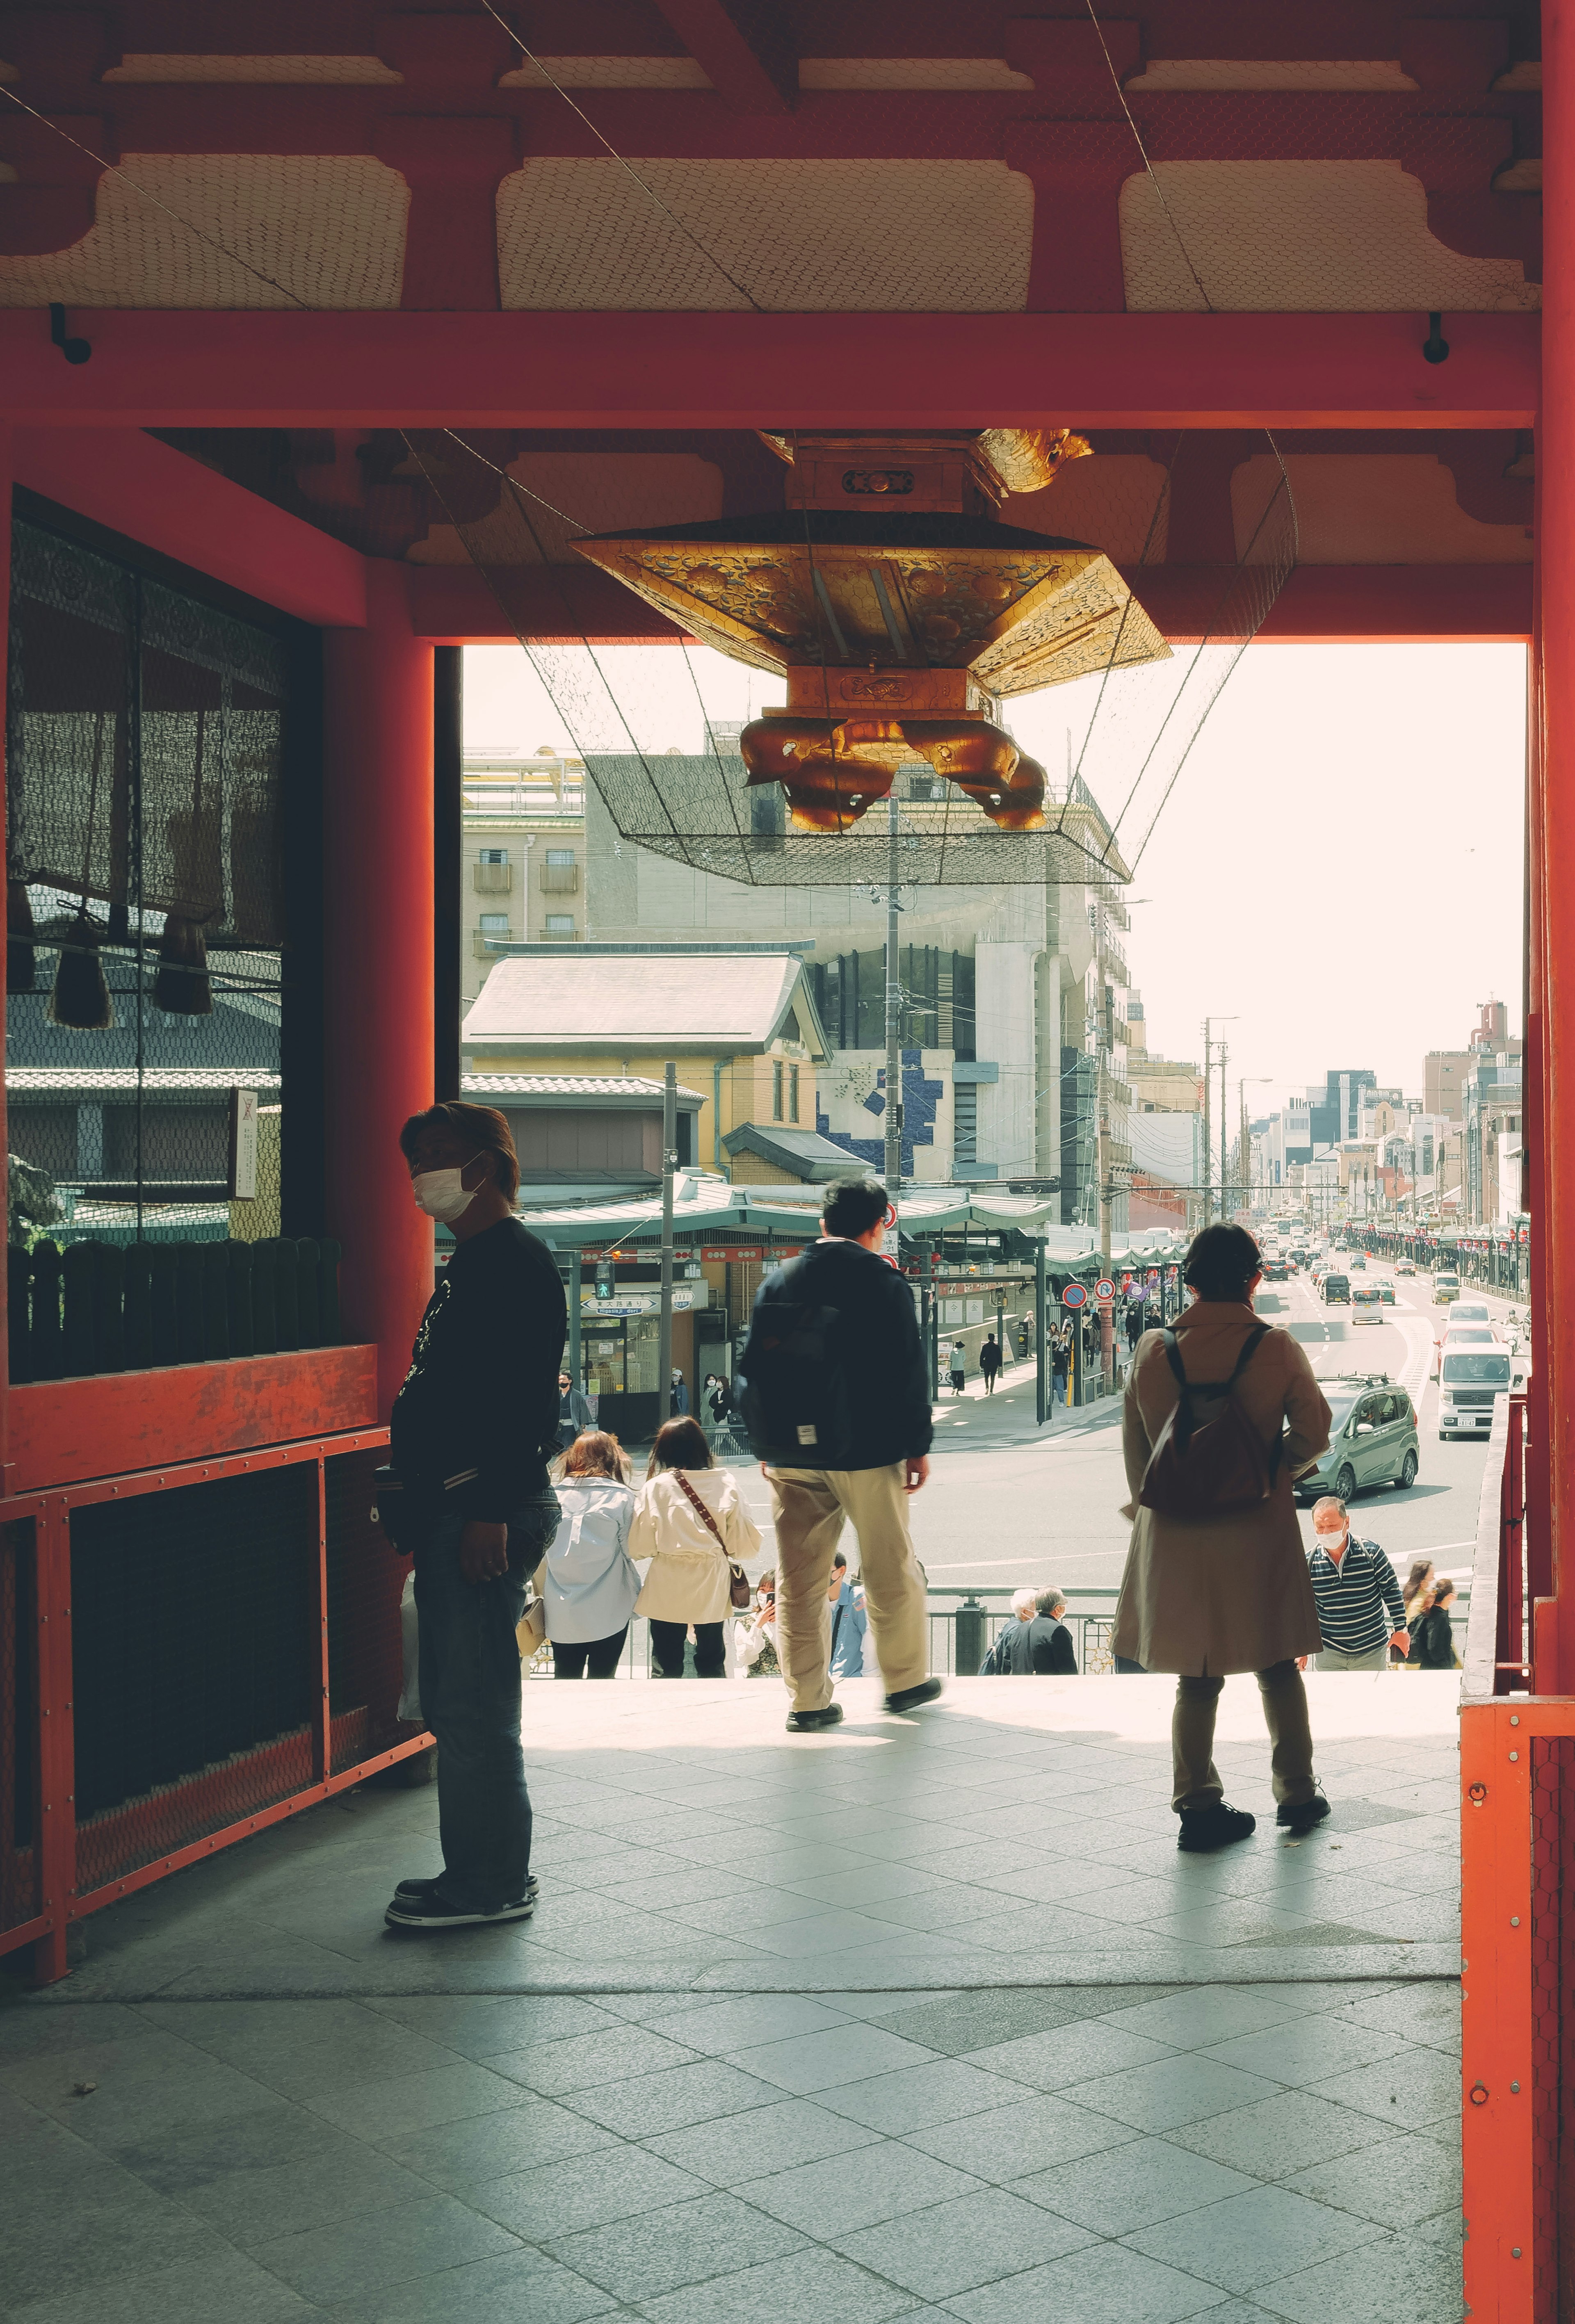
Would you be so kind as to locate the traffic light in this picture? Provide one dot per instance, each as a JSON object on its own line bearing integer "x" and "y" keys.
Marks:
{"x": 605, "y": 1279}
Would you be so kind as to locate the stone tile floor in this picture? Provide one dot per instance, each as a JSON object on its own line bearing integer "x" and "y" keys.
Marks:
{"x": 922, "y": 2018}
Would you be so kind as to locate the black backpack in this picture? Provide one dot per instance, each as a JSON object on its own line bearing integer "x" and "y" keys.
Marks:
{"x": 793, "y": 1381}
{"x": 1208, "y": 1457}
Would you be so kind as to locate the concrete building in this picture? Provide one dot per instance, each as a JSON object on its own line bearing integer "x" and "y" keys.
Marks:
{"x": 524, "y": 838}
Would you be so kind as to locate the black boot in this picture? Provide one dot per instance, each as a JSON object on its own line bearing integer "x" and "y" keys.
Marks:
{"x": 1202, "y": 1829}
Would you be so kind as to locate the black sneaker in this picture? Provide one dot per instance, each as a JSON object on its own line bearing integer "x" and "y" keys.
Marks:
{"x": 914, "y": 1698}
{"x": 806, "y": 1722}
{"x": 430, "y": 1888}
{"x": 433, "y": 1912}
{"x": 1202, "y": 1829}
{"x": 1303, "y": 1816}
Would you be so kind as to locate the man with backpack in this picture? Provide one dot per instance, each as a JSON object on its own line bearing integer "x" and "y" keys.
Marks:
{"x": 1221, "y": 1413}
{"x": 835, "y": 1392}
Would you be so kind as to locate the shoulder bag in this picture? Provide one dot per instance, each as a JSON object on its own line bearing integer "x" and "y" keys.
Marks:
{"x": 738, "y": 1580}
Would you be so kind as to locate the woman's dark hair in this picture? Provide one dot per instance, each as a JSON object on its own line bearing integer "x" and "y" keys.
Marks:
{"x": 1221, "y": 1262}
{"x": 1421, "y": 1568}
{"x": 482, "y": 1127}
{"x": 679, "y": 1444}
{"x": 1441, "y": 1590}
{"x": 853, "y": 1205}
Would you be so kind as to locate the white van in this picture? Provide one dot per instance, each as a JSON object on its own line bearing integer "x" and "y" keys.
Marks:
{"x": 1470, "y": 1382}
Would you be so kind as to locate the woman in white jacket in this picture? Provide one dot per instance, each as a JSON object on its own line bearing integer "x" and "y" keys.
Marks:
{"x": 692, "y": 1525}
{"x": 588, "y": 1580}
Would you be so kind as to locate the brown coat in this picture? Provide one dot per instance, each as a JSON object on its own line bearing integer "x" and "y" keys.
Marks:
{"x": 1230, "y": 1592}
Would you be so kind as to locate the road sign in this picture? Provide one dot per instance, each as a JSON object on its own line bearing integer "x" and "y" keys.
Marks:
{"x": 1074, "y": 1295}
{"x": 1104, "y": 1289}
{"x": 891, "y": 1217}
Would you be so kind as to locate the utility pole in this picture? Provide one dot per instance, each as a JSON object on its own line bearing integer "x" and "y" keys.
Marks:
{"x": 893, "y": 1025}
{"x": 1224, "y": 1135}
{"x": 1107, "y": 1321}
{"x": 669, "y": 1164}
{"x": 1208, "y": 1088}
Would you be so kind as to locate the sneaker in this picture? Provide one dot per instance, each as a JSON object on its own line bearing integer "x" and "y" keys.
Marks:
{"x": 430, "y": 1888}
{"x": 806, "y": 1722}
{"x": 1202, "y": 1829}
{"x": 1303, "y": 1816}
{"x": 433, "y": 1912}
{"x": 914, "y": 1698}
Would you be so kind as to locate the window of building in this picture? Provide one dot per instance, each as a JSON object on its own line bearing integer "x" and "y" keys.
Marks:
{"x": 560, "y": 857}
{"x": 560, "y": 924}
{"x": 494, "y": 856}
{"x": 964, "y": 1122}
{"x": 495, "y": 924}
{"x": 777, "y": 1090}
{"x": 792, "y": 1092}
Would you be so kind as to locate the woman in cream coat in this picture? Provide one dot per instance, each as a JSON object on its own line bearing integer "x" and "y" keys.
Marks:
{"x": 1230, "y": 1592}
{"x": 688, "y": 1581}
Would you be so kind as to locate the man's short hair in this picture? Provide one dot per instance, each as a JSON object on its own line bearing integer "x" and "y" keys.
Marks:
{"x": 1221, "y": 1262}
{"x": 487, "y": 1130}
{"x": 1024, "y": 1602}
{"x": 1329, "y": 1501}
{"x": 1050, "y": 1601}
{"x": 840, "y": 1558}
{"x": 853, "y": 1205}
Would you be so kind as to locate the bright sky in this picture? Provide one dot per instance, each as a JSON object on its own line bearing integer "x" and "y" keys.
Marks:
{"x": 1339, "y": 866}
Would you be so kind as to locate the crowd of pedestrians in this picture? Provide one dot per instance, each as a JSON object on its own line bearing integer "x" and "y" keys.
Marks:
{"x": 498, "y": 1472}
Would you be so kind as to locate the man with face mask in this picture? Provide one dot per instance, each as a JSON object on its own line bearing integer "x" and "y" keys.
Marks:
{"x": 470, "y": 1433}
{"x": 1360, "y": 1611}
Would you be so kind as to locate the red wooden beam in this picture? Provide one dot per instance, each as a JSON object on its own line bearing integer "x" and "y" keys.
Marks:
{"x": 1362, "y": 604}
{"x": 690, "y": 370}
{"x": 743, "y": 47}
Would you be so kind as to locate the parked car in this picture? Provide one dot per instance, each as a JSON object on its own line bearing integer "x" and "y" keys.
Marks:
{"x": 1373, "y": 1438}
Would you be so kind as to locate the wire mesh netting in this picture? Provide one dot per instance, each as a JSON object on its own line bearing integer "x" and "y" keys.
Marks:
{"x": 19, "y": 1705}
{"x": 194, "y": 1666}
{"x": 364, "y": 1583}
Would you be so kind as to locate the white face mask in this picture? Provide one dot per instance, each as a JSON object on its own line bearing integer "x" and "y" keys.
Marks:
{"x": 441, "y": 1194}
{"x": 1330, "y": 1542}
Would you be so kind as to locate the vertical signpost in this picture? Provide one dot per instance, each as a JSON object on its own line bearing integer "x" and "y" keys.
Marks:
{"x": 1041, "y": 1327}
{"x": 1076, "y": 1296}
{"x": 669, "y": 1164}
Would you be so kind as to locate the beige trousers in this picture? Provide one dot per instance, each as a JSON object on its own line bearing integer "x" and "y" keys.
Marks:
{"x": 811, "y": 1506}
{"x": 1285, "y": 1713}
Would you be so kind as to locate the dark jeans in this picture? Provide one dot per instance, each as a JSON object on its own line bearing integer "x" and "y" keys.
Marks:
{"x": 666, "y": 1647}
{"x": 571, "y": 1657}
{"x": 470, "y": 1699}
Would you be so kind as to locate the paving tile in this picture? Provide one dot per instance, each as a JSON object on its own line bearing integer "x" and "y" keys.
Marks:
{"x": 1209, "y": 2014}
{"x": 745, "y": 2020}
{"x": 810, "y": 2284}
{"x": 1069, "y": 2053}
{"x": 738, "y": 2149}
{"x": 521, "y": 2286}
{"x": 826, "y": 1932}
{"x": 639, "y": 2258}
{"x": 1277, "y": 2135}
{"x": 1417, "y": 2179}
{"x": 54, "y": 2246}
{"x": 1104, "y": 2283}
{"x": 1429, "y": 2013}
{"x": 652, "y": 2103}
{"x": 1412, "y": 2089}
{"x": 584, "y": 2061}
{"x": 528, "y": 2135}
{"x": 921, "y": 2098}
{"x": 842, "y": 2193}
{"x": 950, "y": 2247}
{"x": 486, "y": 2024}
{"x": 1306, "y": 2049}
{"x": 317, "y": 2045}
{"x": 378, "y": 2247}
{"x": 33, "y": 2028}
{"x": 175, "y": 2157}
{"x": 586, "y": 2191}
{"x": 1170, "y": 2091}
{"x": 807, "y": 2062}
{"x": 226, "y": 2283}
{"x": 973, "y": 2021}
{"x": 1010, "y": 2142}
{"x": 1124, "y": 2187}
{"x": 1367, "y": 2286}
{"x": 414, "y": 2102}
{"x": 1249, "y": 2239}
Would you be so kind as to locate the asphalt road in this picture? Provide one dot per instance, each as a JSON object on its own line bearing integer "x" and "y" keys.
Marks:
{"x": 1008, "y": 1502}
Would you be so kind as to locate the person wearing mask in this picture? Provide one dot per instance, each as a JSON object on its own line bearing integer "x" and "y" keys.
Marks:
{"x": 589, "y": 1582}
{"x": 691, "y": 1523}
{"x": 1204, "y": 1595}
{"x": 1361, "y": 1612}
{"x": 839, "y": 1418}
{"x": 574, "y": 1411}
{"x": 1432, "y": 1638}
{"x": 470, "y": 1435}
{"x": 757, "y": 1640}
{"x": 850, "y": 1621}
{"x": 990, "y": 1361}
{"x": 680, "y": 1394}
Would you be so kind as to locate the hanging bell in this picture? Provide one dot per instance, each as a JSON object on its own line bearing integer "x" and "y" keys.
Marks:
{"x": 181, "y": 986}
{"x": 80, "y": 998}
{"x": 21, "y": 962}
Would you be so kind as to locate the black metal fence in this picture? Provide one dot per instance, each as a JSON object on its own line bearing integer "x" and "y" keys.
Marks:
{"x": 93, "y": 1307}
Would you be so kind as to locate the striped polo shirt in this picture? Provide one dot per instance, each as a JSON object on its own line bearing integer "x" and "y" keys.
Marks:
{"x": 1359, "y": 1605}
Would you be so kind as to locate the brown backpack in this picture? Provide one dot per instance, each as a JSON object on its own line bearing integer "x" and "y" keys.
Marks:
{"x": 1209, "y": 1457}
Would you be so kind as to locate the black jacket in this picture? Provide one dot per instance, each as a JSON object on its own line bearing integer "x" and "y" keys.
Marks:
{"x": 1041, "y": 1648}
{"x": 481, "y": 1389}
{"x": 882, "y": 1378}
{"x": 1432, "y": 1645}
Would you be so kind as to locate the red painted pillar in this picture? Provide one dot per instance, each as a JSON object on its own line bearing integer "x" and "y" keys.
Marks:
{"x": 377, "y": 777}
{"x": 1554, "y": 1219}
{"x": 5, "y": 1138}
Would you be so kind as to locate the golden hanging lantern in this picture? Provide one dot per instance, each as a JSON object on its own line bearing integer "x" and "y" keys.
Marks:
{"x": 897, "y": 606}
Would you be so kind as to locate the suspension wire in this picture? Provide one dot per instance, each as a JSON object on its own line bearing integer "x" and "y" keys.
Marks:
{"x": 648, "y": 191}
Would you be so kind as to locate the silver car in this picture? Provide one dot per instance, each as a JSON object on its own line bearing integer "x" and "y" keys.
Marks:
{"x": 1373, "y": 1438}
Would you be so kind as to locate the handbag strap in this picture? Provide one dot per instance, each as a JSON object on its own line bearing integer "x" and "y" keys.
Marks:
{"x": 705, "y": 1515}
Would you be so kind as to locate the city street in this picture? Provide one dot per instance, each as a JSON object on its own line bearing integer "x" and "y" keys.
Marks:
{"x": 1009, "y": 1503}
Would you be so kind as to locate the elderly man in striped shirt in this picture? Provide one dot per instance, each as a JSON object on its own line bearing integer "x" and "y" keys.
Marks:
{"x": 1360, "y": 1614}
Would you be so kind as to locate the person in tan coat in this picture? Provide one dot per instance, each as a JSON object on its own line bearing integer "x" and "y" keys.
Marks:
{"x": 1207, "y": 1596}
